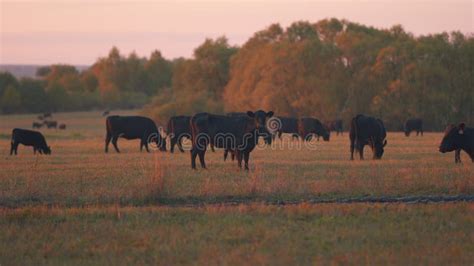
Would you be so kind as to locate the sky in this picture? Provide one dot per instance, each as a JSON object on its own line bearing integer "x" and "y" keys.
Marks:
{"x": 80, "y": 31}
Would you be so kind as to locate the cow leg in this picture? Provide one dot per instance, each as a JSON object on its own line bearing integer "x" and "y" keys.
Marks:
{"x": 114, "y": 142}
{"x": 193, "y": 153}
{"x": 457, "y": 156}
{"x": 34, "y": 150}
{"x": 352, "y": 150}
{"x": 145, "y": 143}
{"x": 246, "y": 160}
{"x": 232, "y": 155}
{"x": 172, "y": 143}
{"x": 13, "y": 148}
{"x": 180, "y": 144}
{"x": 212, "y": 147}
{"x": 226, "y": 151}
{"x": 239, "y": 158}
{"x": 201, "y": 158}
{"x": 360, "y": 148}
{"x": 40, "y": 151}
{"x": 108, "y": 137}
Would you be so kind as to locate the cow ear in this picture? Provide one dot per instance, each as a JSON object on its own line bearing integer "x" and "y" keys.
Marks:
{"x": 461, "y": 128}
{"x": 385, "y": 143}
{"x": 270, "y": 114}
{"x": 250, "y": 113}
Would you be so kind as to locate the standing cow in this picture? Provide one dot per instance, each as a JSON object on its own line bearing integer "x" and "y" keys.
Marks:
{"x": 457, "y": 138}
{"x": 29, "y": 138}
{"x": 51, "y": 124}
{"x": 37, "y": 125}
{"x": 238, "y": 134}
{"x": 366, "y": 130}
{"x": 415, "y": 124}
{"x": 178, "y": 128}
{"x": 335, "y": 125}
{"x": 132, "y": 127}
{"x": 308, "y": 126}
{"x": 287, "y": 125}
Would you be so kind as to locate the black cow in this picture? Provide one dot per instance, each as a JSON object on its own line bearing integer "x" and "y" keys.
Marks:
{"x": 267, "y": 136}
{"x": 37, "y": 125}
{"x": 62, "y": 126}
{"x": 178, "y": 128}
{"x": 366, "y": 130}
{"x": 415, "y": 124}
{"x": 335, "y": 125}
{"x": 457, "y": 138}
{"x": 48, "y": 114}
{"x": 238, "y": 134}
{"x": 132, "y": 127}
{"x": 287, "y": 125}
{"x": 308, "y": 126}
{"x": 29, "y": 138}
{"x": 51, "y": 124}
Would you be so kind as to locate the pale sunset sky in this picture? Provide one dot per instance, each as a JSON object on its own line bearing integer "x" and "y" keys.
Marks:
{"x": 78, "y": 32}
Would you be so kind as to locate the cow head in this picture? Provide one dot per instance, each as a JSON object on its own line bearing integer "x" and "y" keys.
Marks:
{"x": 46, "y": 150}
{"x": 158, "y": 140}
{"x": 452, "y": 138}
{"x": 260, "y": 120}
{"x": 378, "y": 147}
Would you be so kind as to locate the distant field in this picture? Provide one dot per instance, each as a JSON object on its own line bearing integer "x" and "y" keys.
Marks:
{"x": 80, "y": 204}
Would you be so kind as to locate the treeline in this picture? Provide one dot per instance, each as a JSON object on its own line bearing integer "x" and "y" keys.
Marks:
{"x": 115, "y": 81}
{"x": 329, "y": 69}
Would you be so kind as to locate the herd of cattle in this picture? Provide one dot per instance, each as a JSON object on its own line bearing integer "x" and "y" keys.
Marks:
{"x": 45, "y": 121}
{"x": 238, "y": 134}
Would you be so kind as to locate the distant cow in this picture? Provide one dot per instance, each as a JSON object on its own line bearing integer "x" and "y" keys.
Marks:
{"x": 37, "y": 125}
{"x": 62, "y": 126}
{"x": 106, "y": 113}
{"x": 29, "y": 138}
{"x": 40, "y": 117}
{"x": 458, "y": 138}
{"x": 132, "y": 127}
{"x": 366, "y": 130}
{"x": 238, "y": 134}
{"x": 48, "y": 114}
{"x": 178, "y": 128}
{"x": 51, "y": 124}
{"x": 415, "y": 124}
{"x": 335, "y": 125}
{"x": 307, "y": 127}
{"x": 287, "y": 125}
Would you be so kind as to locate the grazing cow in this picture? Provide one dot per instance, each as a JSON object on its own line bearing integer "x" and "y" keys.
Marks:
{"x": 37, "y": 125}
{"x": 457, "y": 138}
{"x": 335, "y": 125}
{"x": 48, "y": 114}
{"x": 29, "y": 138}
{"x": 178, "y": 128}
{"x": 106, "y": 113}
{"x": 287, "y": 125}
{"x": 366, "y": 130}
{"x": 267, "y": 136}
{"x": 132, "y": 127}
{"x": 238, "y": 134}
{"x": 51, "y": 124}
{"x": 40, "y": 117}
{"x": 414, "y": 124}
{"x": 308, "y": 126}
{"x": 62, "y": 126}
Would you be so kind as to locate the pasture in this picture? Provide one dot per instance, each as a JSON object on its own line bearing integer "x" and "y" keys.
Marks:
{"x": 80, "y": 205}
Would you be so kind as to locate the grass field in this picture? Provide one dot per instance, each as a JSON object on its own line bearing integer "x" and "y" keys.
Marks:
{"x": 80, "y": 205}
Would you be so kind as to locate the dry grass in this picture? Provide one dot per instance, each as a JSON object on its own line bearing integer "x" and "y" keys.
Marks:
{"x": 80, "y": 204}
